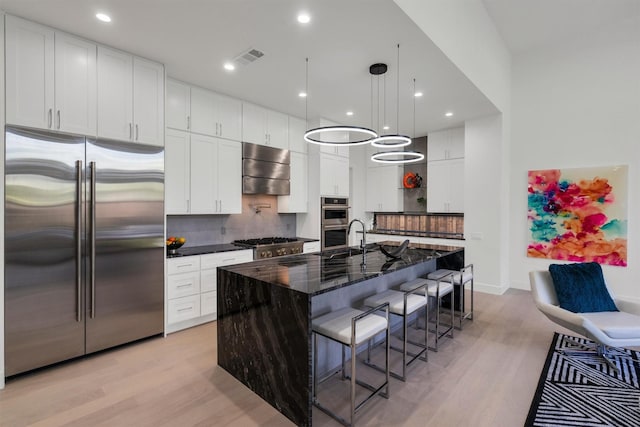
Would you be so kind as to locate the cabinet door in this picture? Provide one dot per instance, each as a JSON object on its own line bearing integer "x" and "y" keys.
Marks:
{"x": 115, "y": 94}
{"x": 328, "y": 167}
{"x": 208, "y": 303}
{"x": 456, "y": 143}
{"x": 176, "y": 172}
{"x": 342, "y": 176}
{"x": 178, "y": 105}
{"x": 437, "y": 145}
{"x": 373, "y": 193}
{"x": 297, "y": 200}
{"x": 229, "y": 117}
{"x": 75, "y": 85}
{"x": 204, "y": 192}
{"x": 208, "y": 280}
{"x": 29, "y": 74}
{"x": 148, "y": 102}
{"x": 229, "y": 176}
{"x": 297, "y": 128}
{"x": 203, "y": 112}
{"x": 254, "y": 124}
{"x": 456, "y": 185}
{"x": 437, "y": 186}
{"x": 278, "y": 130}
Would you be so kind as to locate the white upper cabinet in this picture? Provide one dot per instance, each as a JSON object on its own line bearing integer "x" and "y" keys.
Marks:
{"x": 446, "y": 144}
{"x": 297, "y": 128}
{"x": 178, "y": 105}
{"x": 148, "y": 101}
{"x": 203, "y": 111}
{"x": 445, "y": 186}
{"x": 50, "y": 79}
{"x": 384, "y": 192}
{"x": 263, "y": 126}
{"x": 334, "y": 175}
{"x": 130, "y": 97}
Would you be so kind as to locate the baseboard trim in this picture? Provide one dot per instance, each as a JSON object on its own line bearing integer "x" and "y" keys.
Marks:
{"x": 489, "y": 289}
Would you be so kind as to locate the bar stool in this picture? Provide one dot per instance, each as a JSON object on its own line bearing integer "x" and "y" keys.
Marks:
{"x": 351, "y": 327}
{"x": 403, "y": 303}
{"x": 461, "y": 278}
{"x": 435, "y": 289}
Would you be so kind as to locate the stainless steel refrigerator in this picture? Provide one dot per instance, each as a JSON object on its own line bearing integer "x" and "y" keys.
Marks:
{"x": 84, "y": 227}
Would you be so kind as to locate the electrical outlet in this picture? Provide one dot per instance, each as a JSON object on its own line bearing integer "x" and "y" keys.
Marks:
{"x": 477, "y": 235}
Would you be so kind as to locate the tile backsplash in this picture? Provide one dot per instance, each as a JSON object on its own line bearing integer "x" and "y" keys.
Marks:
{"x": 259, "y": 218}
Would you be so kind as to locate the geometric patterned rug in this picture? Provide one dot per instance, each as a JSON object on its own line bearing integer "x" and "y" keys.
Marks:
{"x": 582, "y": 390}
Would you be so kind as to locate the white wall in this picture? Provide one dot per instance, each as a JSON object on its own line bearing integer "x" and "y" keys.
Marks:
{"x": 484, "y": 214}
{"x": 465, "y": 33}
{"x": 577, "y": 104}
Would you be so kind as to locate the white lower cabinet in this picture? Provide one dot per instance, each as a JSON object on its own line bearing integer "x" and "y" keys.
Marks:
{"x": 192, "y": 287}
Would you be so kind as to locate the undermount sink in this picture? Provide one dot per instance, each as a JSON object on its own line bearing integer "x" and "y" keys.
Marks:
{"x": 340, "y": 253}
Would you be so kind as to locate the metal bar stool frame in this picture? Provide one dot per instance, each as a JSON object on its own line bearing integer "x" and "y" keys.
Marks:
{"x": 422, "y": 354}
{"x": 354, "y": 381}
{"x": 459, "y": 281}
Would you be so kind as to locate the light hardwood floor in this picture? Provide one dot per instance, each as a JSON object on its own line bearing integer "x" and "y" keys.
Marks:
{"x": 485, "y": 376}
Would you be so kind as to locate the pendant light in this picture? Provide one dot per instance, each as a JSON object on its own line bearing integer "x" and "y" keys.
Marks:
{"x": 400, "y": 157}
{"x": 342, "y": 136}
{"x": 391, "y": 140}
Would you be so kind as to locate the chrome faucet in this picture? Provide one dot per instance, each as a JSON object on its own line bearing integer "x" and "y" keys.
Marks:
{"x": 363, "y": 242}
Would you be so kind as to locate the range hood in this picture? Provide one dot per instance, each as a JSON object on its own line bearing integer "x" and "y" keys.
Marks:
{"x": 265, "y": 170}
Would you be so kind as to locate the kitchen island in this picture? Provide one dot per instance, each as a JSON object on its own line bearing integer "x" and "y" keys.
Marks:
{"x": 265, "y": 310}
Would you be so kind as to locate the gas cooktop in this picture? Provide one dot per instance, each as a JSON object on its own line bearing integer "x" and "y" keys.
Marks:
{"x": 267, "y": 247}
{"x": 265, "y": 241}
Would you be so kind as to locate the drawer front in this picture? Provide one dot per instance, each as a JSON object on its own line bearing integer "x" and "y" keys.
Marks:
{"x": 184, "y": 308}
{"x": 208, "y": 280}
{"x": 184, "y": 284}
{"x": 208, "y": 303}
{"x": 311, "y": 247}
{"x": 183, "y": 264}
{"x": 226, "y": 258}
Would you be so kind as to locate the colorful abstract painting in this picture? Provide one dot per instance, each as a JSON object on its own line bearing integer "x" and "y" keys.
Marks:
{"x": 578, "y": 214}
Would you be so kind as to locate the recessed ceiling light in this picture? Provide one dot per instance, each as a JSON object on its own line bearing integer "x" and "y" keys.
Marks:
{"x": 385, "y": 127}
{"x": 448, "y": 114}
{"x": 302, "y": 94}
{"x": 417, "y": 94}
{"x": 103, "y": 17}
{"x": 349, "y": 113}
{"x": 229, "y": 66}
{"x": 304, "y": 18}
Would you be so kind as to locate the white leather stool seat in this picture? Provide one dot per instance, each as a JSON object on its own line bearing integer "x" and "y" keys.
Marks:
{"x": 616, "y": 324}
{"x": 396, "y": 301}
{"x": 439, "y": 274}
{"x": 337, "y": 325}
{"x": 432, "y": 286}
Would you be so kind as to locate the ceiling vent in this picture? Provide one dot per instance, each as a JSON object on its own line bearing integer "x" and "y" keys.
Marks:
{"x": 248, "y": 56}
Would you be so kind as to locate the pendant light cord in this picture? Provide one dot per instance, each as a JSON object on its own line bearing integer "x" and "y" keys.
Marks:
{"x": 306, "y": 91}
{"x": 398, "y": 95}
{"x": 414, "y": 108}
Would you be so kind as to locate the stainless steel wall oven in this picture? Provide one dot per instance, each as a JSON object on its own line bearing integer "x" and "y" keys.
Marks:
{"x": 334, "y": 222}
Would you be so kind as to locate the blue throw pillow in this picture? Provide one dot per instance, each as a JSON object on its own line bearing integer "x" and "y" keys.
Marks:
{"x": 581, "y": 288}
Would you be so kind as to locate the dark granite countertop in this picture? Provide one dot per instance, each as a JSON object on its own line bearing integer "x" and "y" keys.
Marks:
{"x": 315, "y": 274}
{"x": 207, "y": 249}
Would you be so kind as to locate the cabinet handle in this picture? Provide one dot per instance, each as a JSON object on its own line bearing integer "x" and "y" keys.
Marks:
{"x": 58, "y": 119}
{"x": 136, "y": 131}
{"x": 185, "y": 286}
{"x": 185, "y": 309}
{"x": 130, "y": 131}
{"x": 220, "y": 129}
{"x": 188, "y": 205}
{"x": 220, "y": 206}
{"x": 188, "y": 122}
{"x": 50, "y": 117}
{"x": 228, "y": 259}
{"x": 184, "y": 265}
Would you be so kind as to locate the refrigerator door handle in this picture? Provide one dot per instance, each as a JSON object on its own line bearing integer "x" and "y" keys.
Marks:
{"x": 92, "y": 240}
{"x": 78, "y": 240}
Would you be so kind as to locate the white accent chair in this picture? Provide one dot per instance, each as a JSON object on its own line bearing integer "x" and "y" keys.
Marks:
{"x": 607, "y": 328}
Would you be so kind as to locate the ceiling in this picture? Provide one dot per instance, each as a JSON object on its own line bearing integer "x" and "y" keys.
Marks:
{"x": 193, "y": 38}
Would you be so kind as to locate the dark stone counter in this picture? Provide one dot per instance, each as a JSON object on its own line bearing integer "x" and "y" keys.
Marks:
{"x": 265, "y": 310}
{"x": 206, "y": 249}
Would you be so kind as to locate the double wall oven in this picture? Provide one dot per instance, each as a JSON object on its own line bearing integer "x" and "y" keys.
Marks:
{"x": 334, "y": 222}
